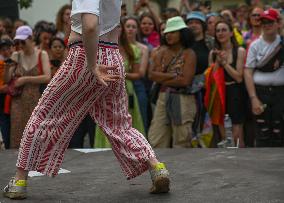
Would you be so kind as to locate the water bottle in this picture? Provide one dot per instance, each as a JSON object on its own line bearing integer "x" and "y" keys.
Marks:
{"x": 228, "y": 131}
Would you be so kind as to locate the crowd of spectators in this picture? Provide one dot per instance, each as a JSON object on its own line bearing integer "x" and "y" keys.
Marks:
{"x": 185, "y": 70}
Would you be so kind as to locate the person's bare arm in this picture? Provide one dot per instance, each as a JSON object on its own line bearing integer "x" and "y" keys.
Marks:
{"x": 156, "y": 70}
{"x": 144, "y": 59}
{"x": 257, "y": 106}
{"x": 187, "y": 73}
{"x": 237, "y": 73}
{"x": 185, "y": 4}
{"x": 134, "y": 74}
{"x": 90, "y": 37}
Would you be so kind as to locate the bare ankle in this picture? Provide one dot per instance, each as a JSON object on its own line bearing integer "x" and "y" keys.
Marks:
{"x": 153, "y": 162}
{"x": 21, "y": 174}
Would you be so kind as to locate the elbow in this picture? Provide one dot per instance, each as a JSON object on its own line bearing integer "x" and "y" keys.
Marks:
{"x": 90, "y": 29}
{"x": 185, "y": 83}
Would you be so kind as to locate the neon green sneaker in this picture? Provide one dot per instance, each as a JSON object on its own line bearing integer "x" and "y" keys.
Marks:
{"x": 16, "y": 189}
{"x": 160, "y": 179}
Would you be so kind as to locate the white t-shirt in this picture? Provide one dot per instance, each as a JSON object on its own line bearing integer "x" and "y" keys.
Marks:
{"x": 258, "y": 51}
{"x": 107, "y": 10}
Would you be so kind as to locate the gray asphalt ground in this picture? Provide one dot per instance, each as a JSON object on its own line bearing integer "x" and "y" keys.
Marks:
{"x": 197, "y": 175}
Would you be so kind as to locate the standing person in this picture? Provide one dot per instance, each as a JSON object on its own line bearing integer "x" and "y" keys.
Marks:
{"x": 28, "y": 79}
{"x": 44, "y": 32}
{"x": 254, "y": 24}
{"x": 6, "y": 50}
{"x": 203, "y": 43}
{"x": 173, "y": 67}
{"x": 229, "y": 57}
{"x": 82, "y": 87}
{"x": 264, "y": 77}
{"x": 149, "y": 31}
{"x": 211, "y": 20}
{"x": 63, "y": 23}
{"x": 252, "y": 34}
{"x": 58, "y": 53}
{"x": 129, "y": 35}
{"x": 241, "y": 14}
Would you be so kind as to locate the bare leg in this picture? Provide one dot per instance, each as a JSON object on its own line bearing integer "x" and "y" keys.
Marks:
{"x": 153, "y": 162}
{"x": 222, "y": 132}
{"x": 238, "y": 134}
{"x": 21, "y": 174}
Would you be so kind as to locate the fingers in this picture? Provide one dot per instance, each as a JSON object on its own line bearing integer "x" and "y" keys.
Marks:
{"x": 109, "y": 78}
{"x": 102, "y": 82}
{"x": 105, "y": 67}
{"x": 257, "y": 110}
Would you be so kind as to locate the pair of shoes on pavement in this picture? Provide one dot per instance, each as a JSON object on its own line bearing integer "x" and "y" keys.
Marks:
{"x": 160, "y": 179}
{"x": 16, "y": 189}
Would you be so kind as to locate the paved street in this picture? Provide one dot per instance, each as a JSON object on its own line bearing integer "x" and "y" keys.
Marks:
{"x": 198, "y": 175}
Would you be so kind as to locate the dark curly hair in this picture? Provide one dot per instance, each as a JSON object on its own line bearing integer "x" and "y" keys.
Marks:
{"x": 186, "y": 38}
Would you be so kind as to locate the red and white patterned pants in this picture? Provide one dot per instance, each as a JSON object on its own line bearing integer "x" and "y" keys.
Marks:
{"x": 71, "y": 94}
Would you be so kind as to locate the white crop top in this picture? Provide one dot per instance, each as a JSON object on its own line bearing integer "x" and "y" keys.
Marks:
{"x": 107, "y": 10}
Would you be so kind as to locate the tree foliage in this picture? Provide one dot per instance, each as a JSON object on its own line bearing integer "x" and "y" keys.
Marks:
{"x": 25, "y": 3}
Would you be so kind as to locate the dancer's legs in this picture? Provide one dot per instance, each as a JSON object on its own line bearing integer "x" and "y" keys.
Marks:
{"x": 132, "y": 150}
{"x": 62, "y": 107}
{"x": 68, "y": 98}
{"x": 111, "y": 114}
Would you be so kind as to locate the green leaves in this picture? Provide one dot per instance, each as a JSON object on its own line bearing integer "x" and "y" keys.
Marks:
{"x": 25, "y": 3}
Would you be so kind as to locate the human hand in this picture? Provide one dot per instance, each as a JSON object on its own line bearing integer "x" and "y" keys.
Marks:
{"x": 102, "y": 75}
{"x": 20, "y": 81}
{"x": 3, "y": 88}
{"x": 257, "y": 106}
{"x": 217, "y": 56}
{"x": 10, "y": 63}
{"x": 223, "y": 57}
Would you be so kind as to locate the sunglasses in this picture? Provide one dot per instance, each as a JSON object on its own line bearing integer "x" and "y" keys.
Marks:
{"x": 267, "y": 22}
{"x": 18, "y": 42}
{"x": 255, "y": 15}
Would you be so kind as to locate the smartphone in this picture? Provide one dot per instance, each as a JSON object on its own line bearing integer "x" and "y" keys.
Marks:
{"x": 9, "y": 61}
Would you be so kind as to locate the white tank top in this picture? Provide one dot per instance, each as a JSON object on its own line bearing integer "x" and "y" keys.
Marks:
{"x": 107, "y": 10}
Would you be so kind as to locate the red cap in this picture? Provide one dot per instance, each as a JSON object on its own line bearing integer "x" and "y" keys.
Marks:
{"x": 270, "y": 14}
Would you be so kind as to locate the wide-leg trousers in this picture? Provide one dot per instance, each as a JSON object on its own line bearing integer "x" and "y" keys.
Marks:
{"x": 73, "y": 93}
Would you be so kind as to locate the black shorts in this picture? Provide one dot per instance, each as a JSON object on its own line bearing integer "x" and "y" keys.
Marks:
{"x": 235, "y": 102}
